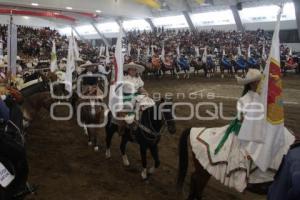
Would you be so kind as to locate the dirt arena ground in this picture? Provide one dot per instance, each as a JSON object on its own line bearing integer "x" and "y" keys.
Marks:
{"x": 65, "y": 168}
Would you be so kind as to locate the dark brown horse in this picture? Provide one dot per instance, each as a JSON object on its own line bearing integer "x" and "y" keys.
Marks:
{"x": 90, "y": 113}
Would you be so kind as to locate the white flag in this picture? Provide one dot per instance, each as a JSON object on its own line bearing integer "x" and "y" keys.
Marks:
{"x": 204, "y": 57}
{"x": 76, "y": 50}
{"x": 107, "y": 58}
{"x": 249, "y": 51}
{"x": 239, "y": 51}
{"x": 178, "y": 50}
{"x": 148, "y": 52}
{"x": 152, "y": 50}
{"x": 163, "y": 53}
{"x": 129, "y": 50}
{"x": 1, "y": 48}
{"x": 263, "y": 54}
{"x": 53, "y": 64}
{"x": 138, "y": 54}
{"x": 263, "y": 136}
{"x": 101, "y": 51}
{"x": 197, "y": 52}
{"x": 70, "y": 65}
{"x": 116, "y": 91}
{"x": 290, "y": 52}
{"x": 12, "y": 46}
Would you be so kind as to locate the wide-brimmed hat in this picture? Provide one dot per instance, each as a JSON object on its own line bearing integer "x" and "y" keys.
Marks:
{"x": 133, "y": 65}
{"x": 44, "y": 61}
{"x": 251, "y": 76}
{"x": 79, "y": 60}
{"x": 87, "y": 64}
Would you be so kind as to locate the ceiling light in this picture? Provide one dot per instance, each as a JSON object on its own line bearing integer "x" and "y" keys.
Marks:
{"x": 69, "y": 8}
{"x": 98, "y": 11}
{"x": 34, "y": 4}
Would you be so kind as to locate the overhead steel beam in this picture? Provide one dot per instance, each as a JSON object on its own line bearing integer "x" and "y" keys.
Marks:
{"x": 189, "y": 20}
{"x": 150, "y": 22}
{"x": 297, "y": 12}
{"x": 74, "y": 29}
{"x": 106, "y": 42}
{"x": 237, "y": 18}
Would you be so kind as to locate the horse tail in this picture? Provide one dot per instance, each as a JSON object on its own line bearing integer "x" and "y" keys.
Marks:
{"x": 183, "y": 158}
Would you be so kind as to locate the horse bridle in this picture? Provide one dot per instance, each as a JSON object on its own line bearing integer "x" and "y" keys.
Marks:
{"x": 151, "y": 131}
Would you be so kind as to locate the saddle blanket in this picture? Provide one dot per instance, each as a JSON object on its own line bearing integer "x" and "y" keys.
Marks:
{"x": 232, "y": 165}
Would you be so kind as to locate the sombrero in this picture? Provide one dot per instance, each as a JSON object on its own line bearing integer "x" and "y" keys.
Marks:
{"x": 87, "y": 64}
{"x": 251, "y": 76}
{"x": 44, "y": 61}
{"x": 133, "y": 65}
{"x": 79, "y": 59}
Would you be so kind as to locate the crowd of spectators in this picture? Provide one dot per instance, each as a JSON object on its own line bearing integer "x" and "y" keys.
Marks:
{"x": 37, "y": 43}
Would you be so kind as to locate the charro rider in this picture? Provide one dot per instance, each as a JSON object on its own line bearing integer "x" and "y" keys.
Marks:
{"x": 133, "y": 91}
{"x": 90, "y": 80}
{"x": 225, "y": 156}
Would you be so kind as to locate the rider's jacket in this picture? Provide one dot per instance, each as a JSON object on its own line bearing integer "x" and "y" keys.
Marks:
{"x": 132, "y": 84}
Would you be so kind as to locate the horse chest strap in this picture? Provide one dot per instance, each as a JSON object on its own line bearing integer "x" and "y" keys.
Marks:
{"x": 147, "y": 130}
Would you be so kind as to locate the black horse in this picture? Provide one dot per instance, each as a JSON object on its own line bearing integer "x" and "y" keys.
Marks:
{"x": 147, "y": 134}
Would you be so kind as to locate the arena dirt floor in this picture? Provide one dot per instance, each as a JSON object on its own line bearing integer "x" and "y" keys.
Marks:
{"x": 65, "y": 168}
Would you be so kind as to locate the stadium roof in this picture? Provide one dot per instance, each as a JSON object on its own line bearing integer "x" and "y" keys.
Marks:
{"x": 131, "y": 8}
{"x": 99, "y": 18}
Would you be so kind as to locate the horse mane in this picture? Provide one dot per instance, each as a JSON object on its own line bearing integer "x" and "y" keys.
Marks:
{"x": 33, "y": 89}
{"x": 148, "y": 117}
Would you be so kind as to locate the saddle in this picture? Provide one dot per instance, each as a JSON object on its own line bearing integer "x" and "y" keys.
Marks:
{"x": 16, "y": 94}
{"x": 168, "y": 63}
{"x": 155, "y": 63}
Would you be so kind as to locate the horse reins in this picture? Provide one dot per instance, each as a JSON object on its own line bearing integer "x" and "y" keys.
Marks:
{"x": 151, "y": 131}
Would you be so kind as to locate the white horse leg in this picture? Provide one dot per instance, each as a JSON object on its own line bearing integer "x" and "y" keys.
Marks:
{"x": 85, "y": 131}
{"x": 152, "y": 170}
{"x": 107, "y": 153}
{"x": 96, "y": 148}
{"x": 144, "y": 174}
{"x": 125, "y": 160}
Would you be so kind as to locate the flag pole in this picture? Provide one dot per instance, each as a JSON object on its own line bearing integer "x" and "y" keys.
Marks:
{"x": 9, "y": 70}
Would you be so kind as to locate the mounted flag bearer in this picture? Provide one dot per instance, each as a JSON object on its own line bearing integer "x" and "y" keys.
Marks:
{"x": 250, "y": 149}
{"x": 134, "y": 92}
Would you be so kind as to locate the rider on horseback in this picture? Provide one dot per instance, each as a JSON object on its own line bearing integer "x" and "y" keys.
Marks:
{"x": 134, "y": 92}
{"x": 90, "y": 81}
{"x": 13, "y": 158}
{"x": 225, "y": 156}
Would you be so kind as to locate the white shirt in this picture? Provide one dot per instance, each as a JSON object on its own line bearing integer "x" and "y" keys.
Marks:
{"x": 132, "y": 84}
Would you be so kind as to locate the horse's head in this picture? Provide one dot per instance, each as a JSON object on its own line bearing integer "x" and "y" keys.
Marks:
{"x": 166, "y": 107}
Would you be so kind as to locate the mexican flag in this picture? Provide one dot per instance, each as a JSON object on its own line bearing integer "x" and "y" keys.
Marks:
{"x": 53, "y": 64}
{"x": 115, "y": 91}
{"x": 262, "y": 133}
